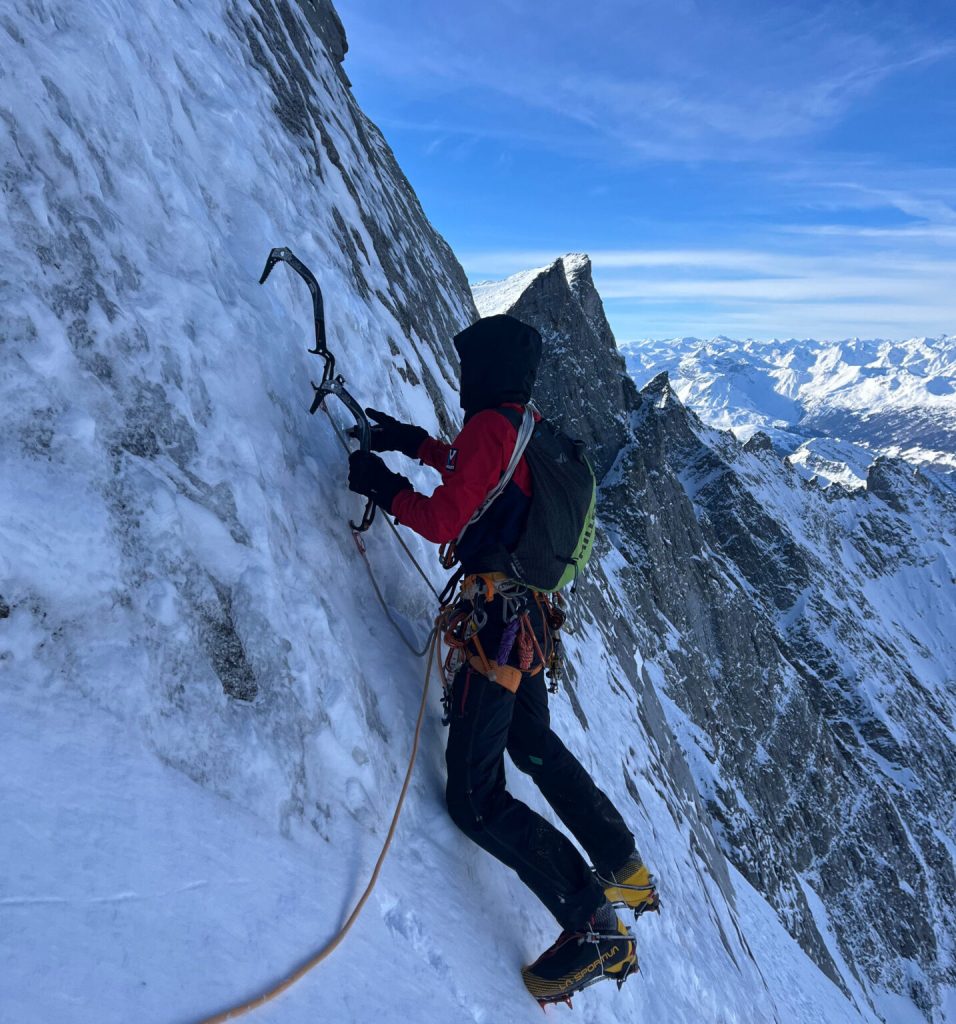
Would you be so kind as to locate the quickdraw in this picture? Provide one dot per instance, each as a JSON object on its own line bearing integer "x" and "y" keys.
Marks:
{"x": 331, "y": 384}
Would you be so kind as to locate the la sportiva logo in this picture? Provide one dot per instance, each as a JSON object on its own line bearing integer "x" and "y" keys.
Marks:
{"x": 452, "y": 460}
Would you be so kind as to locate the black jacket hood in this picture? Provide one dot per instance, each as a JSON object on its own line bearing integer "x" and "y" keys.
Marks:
{"x": 499, "y": 362}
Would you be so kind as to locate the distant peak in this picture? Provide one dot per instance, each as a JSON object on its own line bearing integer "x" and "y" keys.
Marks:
{"x": 576, "y": 262}
{"x": 658, "y": 385}
{"x": 758, "y": 442}
{"x": 493, "y": 297}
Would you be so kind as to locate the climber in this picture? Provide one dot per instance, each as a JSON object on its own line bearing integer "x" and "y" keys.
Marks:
{"x": 500, "y": 703}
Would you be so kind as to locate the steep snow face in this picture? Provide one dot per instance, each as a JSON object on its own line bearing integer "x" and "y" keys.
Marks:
{"x": 798, "y": 638}
{"x": 898, "y": 398}
{"x": 493, "y": 297}
{"x": 206, "y": 713}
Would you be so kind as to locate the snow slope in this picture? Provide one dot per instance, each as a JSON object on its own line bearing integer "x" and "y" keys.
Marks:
{"x": 206, "y": 715}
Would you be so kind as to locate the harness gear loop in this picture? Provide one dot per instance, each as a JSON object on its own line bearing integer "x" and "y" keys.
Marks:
{"x": 525, "y": 650}
{"x": 448, "y": 555}
{"x": 462, "y": 621}
{"x": 482, "y": 657}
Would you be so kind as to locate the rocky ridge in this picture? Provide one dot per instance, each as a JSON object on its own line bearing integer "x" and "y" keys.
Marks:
{"x": 812, "y": 688}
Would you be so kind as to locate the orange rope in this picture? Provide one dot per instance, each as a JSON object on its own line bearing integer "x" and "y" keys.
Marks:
{"x": 329, "y": 948}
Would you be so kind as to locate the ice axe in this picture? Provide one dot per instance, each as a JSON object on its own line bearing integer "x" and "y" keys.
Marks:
{"x": 331, "y": 384}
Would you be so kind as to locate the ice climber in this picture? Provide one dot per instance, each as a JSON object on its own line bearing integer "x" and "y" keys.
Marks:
{"x": 498, "y": 699}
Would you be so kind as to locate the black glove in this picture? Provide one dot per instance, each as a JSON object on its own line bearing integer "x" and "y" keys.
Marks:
{"x": 370, "y": 476}
{"x": 391, "y": 435}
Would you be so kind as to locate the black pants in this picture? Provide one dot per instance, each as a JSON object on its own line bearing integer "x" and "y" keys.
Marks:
{"x": 486, "y": 720}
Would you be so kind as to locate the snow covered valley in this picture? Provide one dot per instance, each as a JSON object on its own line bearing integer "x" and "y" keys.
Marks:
{"x": 206, "y": 715}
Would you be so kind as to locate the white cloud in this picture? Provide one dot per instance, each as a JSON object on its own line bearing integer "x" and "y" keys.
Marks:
{"x": 675, "y": 291}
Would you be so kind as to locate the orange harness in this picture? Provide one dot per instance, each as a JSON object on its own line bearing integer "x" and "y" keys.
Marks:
{"x": 459, "y": 627}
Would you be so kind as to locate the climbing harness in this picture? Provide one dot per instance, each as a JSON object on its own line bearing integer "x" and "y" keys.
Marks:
{"x": 461, "y": 621}
{"x": 331, "y": 384}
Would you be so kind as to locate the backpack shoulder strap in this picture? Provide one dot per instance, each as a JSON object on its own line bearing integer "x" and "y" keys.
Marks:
{"x": 511, "y": 415}
{"x": 525, "y": 425}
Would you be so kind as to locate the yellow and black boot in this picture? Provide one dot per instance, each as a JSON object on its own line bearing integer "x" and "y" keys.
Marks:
{"x": 604, "y": 950}
{"x": 632, "y": 885}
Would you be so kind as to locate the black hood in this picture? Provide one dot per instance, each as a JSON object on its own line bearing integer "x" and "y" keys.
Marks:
{"x": 499, "y": 362}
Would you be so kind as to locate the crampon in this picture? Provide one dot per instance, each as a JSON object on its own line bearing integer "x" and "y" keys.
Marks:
{"x": 620, "y": 977}
{"x": 632, "y": 887}
{"x": 578, "y": 960}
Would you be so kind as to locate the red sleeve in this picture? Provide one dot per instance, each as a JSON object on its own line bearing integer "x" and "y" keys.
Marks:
{"x": 474, "y": 462}
{"x": 434, "y": 453}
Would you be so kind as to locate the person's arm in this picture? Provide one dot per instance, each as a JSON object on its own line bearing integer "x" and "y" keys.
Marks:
{"x": 434, "y": 453}
{"x": 473, "y": 464}
{"x": 392, "y": 435}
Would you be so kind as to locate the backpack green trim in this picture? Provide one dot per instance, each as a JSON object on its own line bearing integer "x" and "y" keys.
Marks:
{"x": 558, "y": 537}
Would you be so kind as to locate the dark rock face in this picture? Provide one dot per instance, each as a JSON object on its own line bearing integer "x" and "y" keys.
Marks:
{"x": 772, "y": 612}
{"x": 583, "y": 382}
{"x": 759, "y": 442}
{"x": 891, "y": 480}
{"x": 423, "y": 286}
{"x": 324, "y": 20}
{"x": 773, "y": 654}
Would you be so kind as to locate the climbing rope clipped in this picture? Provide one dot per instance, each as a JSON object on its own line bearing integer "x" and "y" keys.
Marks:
{"x": 286, "y": 983}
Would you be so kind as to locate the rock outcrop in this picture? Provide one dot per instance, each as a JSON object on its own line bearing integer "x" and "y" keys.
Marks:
{"x": 583, "y": 380}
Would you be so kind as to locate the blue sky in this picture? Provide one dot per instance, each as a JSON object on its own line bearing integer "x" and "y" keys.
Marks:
{"x": 744, "y": 168}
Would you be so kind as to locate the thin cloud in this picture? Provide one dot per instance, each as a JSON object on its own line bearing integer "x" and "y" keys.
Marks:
{"x": 815, "y": 294}
{"x": 877, "y": 288}
{"x": 929, "y": 232}
{"x": 734, "y": 84}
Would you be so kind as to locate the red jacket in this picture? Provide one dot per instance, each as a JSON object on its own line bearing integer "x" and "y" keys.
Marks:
{"x": 470, "y": 467}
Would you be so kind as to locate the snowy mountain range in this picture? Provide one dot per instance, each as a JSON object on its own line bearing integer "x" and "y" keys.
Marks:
{"x": 206, "y": 715}
{"x": 870, "y": 397}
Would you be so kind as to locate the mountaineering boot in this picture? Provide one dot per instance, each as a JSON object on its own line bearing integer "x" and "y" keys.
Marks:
{"x": 605, "y": 948}
{"x": 632, "y": 885}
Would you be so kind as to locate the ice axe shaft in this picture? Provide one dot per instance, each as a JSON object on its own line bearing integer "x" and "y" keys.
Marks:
{"x": 331, "y": 384}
